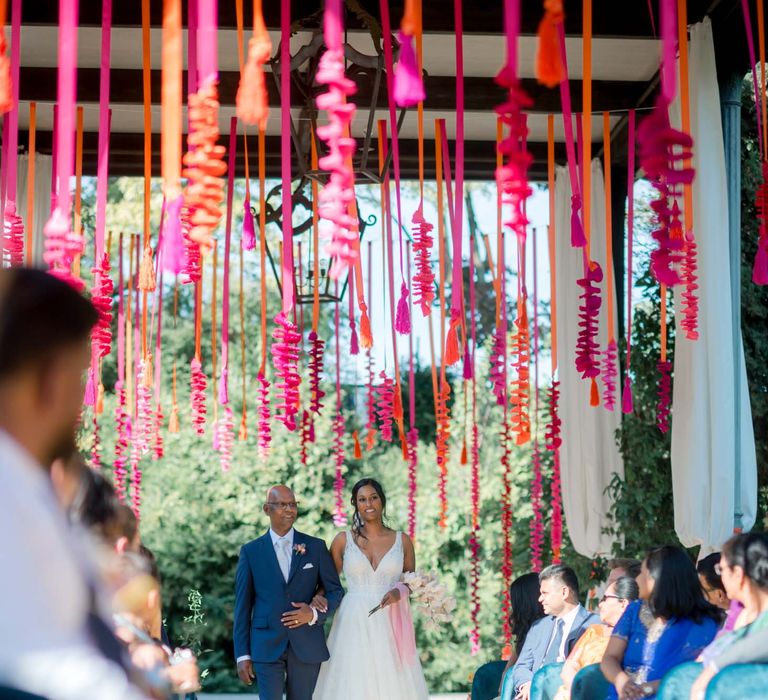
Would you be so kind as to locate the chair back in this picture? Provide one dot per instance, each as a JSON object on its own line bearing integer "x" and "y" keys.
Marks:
{"x": 590, "y": 684}
{"x": 677, "y": 683}
{"x": 486, "y": 681}
{"x": 546, "y": 682}
{"x": 738, "y": 682}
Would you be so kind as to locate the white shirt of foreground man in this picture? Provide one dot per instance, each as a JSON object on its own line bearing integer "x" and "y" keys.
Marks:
{"x": 44, "y": 648}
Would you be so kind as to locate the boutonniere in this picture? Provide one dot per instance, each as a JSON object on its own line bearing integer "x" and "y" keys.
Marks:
{"x": 300, "y": 549}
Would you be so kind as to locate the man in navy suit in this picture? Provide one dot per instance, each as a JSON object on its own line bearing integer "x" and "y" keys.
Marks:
{"x": 277, "y": 634}
{"x": 551, "y": 638}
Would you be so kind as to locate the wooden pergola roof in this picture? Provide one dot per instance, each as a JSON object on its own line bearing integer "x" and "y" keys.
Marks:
{"x": 625, "y": 73}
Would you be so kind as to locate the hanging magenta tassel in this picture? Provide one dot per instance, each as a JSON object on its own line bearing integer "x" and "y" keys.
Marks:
{"x": 159, "y": 449}
{"x": 172, "y": 244}
{"x": 578, "y": 237}
{"x": 409, "y": 86}
{"x": 627, "y": 403}
{"x": 587, "y": 352}
{"x": 413, "y": 466}
{"x": 123, "y": 424}
{"x": 609, "y": 375}
{"x": 316, "y": 350}
{"x": 664, "y": 402}
{"x": 424, "y": 279}
{"x": 760, "y": 269}
{"x": 339, "y": 516}
{"x": 101, "y": 297}
{"x": 90, "y": 389}
{"x": 552, "y": 432}
{"x": 385, "y": 406}
{"x": 285, "y": 355}
{"x": 13, "y": 235}
{"x": 192, "y": 270}
{"x": 248, "y": 240}
{"x": 265, "y": 432}
{"x": 403, "y": 318}
{"x": 198, "y": 385}
{"x": 497, "y": 372}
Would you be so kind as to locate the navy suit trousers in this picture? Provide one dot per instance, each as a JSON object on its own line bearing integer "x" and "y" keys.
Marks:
{"x": 288, "y": 674}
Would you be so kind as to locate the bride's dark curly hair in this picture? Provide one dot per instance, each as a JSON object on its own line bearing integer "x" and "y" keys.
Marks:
{"x": 357, "y": 521}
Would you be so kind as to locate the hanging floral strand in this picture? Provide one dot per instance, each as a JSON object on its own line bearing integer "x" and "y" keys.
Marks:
{"x": 122, "y": 420}
{"x": 265, "y": 431}
{"x": 610, "y": 370}
{"x": 370, "y": 435}
{"x": 317, "y": 344}
{"x": 537, "y": 489}
{"x": 664, "y": 396}
{"x": 339, "y": 516}
{"x": 498, "y": 354}
{"x": 338, "y": 192}
{"x": 520, "y": 420}
{"x": 413, "y": 432}
{"x": 285, "y": 337}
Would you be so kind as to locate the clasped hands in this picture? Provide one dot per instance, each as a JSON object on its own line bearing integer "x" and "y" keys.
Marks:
{"x": 302, "y": 615}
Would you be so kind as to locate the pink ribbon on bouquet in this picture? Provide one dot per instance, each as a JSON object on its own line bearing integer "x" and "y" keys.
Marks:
{"x": 402, "y": 627}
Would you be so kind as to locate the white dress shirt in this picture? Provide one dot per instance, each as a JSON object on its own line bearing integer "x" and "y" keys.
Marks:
{"x": 276, "y": 543}
{"x": 44, "y": 647}
{"x": 568, "y": 620}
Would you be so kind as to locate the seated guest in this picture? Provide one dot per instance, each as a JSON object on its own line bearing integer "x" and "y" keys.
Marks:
{"x": 591, "y": 647}
{"x": 671, "y": 624}
{"x": 552, "y": 638}
{"x": 525, "y": 610}
{"x": 622, "y": 567}
{"x": 744, "y": 570}
{"x": 711, "y": 583}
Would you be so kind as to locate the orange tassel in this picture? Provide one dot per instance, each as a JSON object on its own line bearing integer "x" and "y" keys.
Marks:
{"x": 100, "y": 399}
{"x": 147, "y": 282}
{"x": 404, "y": 445}
{"x": 397, "y": 406}
{"x": 173, "y": 421}
{"x": 358, "y": 450}
{"x": 242, "y": 435}
{"x": 366, "y": 339}
{"x": 370, "y": 439}
{"x": 452, "y": 355}
{"x": 594, "y": 394}
{"x": 549, "y": 64}
{"x": 464, "y": 452}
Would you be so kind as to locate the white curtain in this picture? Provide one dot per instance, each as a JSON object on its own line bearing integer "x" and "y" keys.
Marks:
{"x": 703, "y": 473}
{"x": 42, "y": 199}
{"x": 589, "y": 455}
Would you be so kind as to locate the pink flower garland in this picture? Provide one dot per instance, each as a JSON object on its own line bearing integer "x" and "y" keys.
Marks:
{"x": 225, "y": 430}
{"x": 587, "y": 351}
{"x": 265, "y": 415}
{"x": 689, "y": 298}
{"x": 424, "y": 279}
{"x": 123, "y": 423}
{"x": 413, "y": 465}
{"x": 96, "y": 444}
{"x": 552, "y": 442}
{"x": 13, "y": 235}
{"x": 101, "y": 297}
{"x": 198, "y": 384}
{"x": 285, "y": 354}
{"x": 316, "y": 394}
{"x": 506, "y": 533}
{"x": 141, "y": 433}
{"x": 609, "y": 375}
{"x": 537, "y": 524}
{"x": 384, "y": 406}
{"x": 474, "y": 546}
{"x": 370, "y": 436}
{"x": 338, "y": 193}
{"x": 158, "y": 447}
{"x": 664, "y": 402}
{"x": 339, "y": 516}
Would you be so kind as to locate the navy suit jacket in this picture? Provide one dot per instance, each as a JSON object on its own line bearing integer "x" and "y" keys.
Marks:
{"x": 262, "y": 596}
{"x": 534, "y": 649}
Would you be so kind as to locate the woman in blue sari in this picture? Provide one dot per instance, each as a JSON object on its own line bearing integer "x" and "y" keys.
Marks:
{"x": 670, "y": 625}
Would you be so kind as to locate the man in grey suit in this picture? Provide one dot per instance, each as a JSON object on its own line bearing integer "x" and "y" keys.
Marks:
{"x": 551, "y": 638}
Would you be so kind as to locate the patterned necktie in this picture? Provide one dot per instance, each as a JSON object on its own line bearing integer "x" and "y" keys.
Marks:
{"x": 284, "y": 556}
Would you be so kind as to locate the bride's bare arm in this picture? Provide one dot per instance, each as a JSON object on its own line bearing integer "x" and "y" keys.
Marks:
{"x": 409, "y": 554}
{"x": 337, "y": 550}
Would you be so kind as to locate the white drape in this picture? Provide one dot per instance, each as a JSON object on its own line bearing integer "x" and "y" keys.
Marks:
{"x": 589, "y": 455}
{"x": 703, "y": 474}
{"x": 42, "y": 198}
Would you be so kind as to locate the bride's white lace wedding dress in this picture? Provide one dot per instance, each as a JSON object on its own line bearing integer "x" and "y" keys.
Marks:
{"x": 364, "y": 663}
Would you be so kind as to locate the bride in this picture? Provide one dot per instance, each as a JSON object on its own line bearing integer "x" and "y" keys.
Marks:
{"x": 365, "y": 663}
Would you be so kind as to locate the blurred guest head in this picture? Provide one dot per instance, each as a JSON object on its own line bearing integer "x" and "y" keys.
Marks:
{"x": 558, "y": 589}
{"x": 744, "y": 566}
{"x": 129, "y": 539}
{"x": 622, "y": 567}
{"x": 68, "y": 478}
{"x": 526, "y": 608}
{"x": 668, "y": 581}
{"x": 711, "y": 583}
{"x": 45, "y": 328}
{"x": 617, "y": 596}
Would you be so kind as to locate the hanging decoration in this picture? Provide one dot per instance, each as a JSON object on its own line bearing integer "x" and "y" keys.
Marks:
{"x": 370, "y": 426}
{"x": 317, "y": 344}
{"x": 664, "y": 367}
{"x": 170, "y": 137}
{"x": 265, "y": 414}
{"x": 537, "y": 488}
{"x": 409, "y": 84}
{"x": 413, "y": 432}
{"x": 31, "y": 144}
{"x": 506, "y": 533}
{"x": 62, "y": 244}
{"x": 520, "y": 421}
{"x": 6, "y": 86}
{"x": 173, "y": 421}
{"x": 198, "y": 381}
{"x": 252, "y": 97}
{"x": 141, "y": 430}
{"x": 549, "y": 64}
{"x": 122, "y": 420}
{"x": 157, "y": 444}
{"x": 498, "y": 354}
{"x": 242, "y": 433}
{"x": 338, "y": 192}
{"x": 627, "y": 403}
{"x": 665, "y": 155}
{"x": 13, "y": 225}
{"x": 339, "y": 516}
{"x": 611, "y": 351}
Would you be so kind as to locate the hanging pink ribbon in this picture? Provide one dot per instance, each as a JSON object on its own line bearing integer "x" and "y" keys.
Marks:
{"x": 413, "y": 433}
{"x": 13, "y": 225}
{"x": 62, "y": 244}
{"x": 402, "y": 627}
{"x": 121, "y": 418}
{"x": 627, "y": 403}
{"x": 338, "y": 193}
{"x": 6, "y": 87}
{"x": 339, "y": 516}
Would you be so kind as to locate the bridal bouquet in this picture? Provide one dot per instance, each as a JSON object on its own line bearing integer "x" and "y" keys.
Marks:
{"x": 431, "y": 596}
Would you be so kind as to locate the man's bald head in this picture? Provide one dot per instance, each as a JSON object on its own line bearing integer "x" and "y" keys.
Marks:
{"x": 281, "y": 507}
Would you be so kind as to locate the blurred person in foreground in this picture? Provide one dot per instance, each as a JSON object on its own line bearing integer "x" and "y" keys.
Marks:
{"x": 53, "y": 642}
